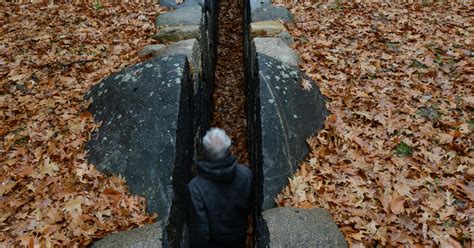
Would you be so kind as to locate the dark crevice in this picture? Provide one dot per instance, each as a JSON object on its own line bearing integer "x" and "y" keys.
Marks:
{"x": 230, "y": 89}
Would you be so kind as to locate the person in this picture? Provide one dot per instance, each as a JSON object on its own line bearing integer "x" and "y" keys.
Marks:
{"x": 220, "y": 196}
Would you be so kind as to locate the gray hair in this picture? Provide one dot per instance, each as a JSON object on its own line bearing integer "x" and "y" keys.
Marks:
{"x": 216, "y": 144}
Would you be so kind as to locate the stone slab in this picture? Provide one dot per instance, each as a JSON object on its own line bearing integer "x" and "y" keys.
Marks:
{"x": 177, "y": 33}
{"x": 277, "y": 49}
{"x": 185, "y": 3}
{"x": 291, "y": 227}
{"x": 282, "y": 115}
{"x": 146, "y": 134}
{"x": 267, "y": 29}
{"x": 149, "y": 236}
{"x": 273, "y": 13}
{"x": 189, "y": 15}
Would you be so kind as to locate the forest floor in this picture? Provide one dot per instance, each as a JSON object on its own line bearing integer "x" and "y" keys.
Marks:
{"x": 50, "y": 55}
{"x": 394, "y": 162}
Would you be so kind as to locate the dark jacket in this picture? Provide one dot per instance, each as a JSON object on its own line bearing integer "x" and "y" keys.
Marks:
{"x": 221, "y": 199}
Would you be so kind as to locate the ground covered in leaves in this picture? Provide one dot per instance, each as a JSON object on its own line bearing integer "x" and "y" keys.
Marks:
{"x": 394, "y": 162}
{"x": 50, "y": 55}
{"x": 229, "y": 89}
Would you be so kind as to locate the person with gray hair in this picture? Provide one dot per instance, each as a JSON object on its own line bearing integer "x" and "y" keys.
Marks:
{"x": 220, "y": 194}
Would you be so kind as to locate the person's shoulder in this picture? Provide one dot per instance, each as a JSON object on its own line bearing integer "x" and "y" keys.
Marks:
{"x": 194, "y": 182}
{"x": 244, "y": 170}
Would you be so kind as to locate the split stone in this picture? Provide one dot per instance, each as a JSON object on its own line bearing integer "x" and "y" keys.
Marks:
{"x": 177, "y": 33}
{"x": 277, "y": 49}
{"x": 190, "y": 48}
{"x": 147, "y": 134}
{"x": 149, "y": 236}
{"x": 267, "y": 29}
{"x": 291, "y": 227}
{"x": 151, "y": 50}
{"x": 282, "y": 115}
{"x": 185, "y": 3}
{"x": 273, "y": 13}
{"x": 189, "y": 15}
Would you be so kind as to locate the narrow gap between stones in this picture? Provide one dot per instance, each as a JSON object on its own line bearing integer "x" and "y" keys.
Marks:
{"x": 229, "y": 90}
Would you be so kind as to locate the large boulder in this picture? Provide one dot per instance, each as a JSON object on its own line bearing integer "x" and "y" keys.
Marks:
{"x": 291, "y": 227}
{"x": 282, "y": 115}
{"x": 277, "y": 49}
{"x": 185, "y": 3}
{"x": 190, "y": 15}
{"x": 146, "y": 134}
{"x": 273, "y": 13}
{"x": 143, "y": 237}
{"x": 191, "y": 49}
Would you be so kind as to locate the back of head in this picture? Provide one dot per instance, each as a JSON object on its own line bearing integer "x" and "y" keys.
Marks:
{"x": 216, "y": 144}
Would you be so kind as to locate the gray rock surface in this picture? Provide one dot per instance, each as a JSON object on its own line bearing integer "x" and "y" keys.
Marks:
{"x": 267, "y": 29}
{"x": 149, "y": 236}
{"x": 191, "y": 49}
{"x": 277, "y": 49}
{"x": 185, "y": 3}
{"x": 286, "y": 37}
{"x": 154, "y": 50}
{"x": 291, "y": 227}
{"x": 146, "y": 134}
{"x": 273, "y": 13}
{"x": 255, "y": 4}
{"x": 189, "y": 15}
{"x": 282, "y": 115}
{"x": 203, "y": 98}
{"x": 177, "y": 33}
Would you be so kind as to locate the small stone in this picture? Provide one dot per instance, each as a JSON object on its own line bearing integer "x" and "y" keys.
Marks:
{"x": 151, "y": 49}
{"x": 255, "y": 4}
{"x": 267, "y": 29}
{"x": 273, "y": 13}
{"x": 177, "y": 33}
{"x": 185, "y": 3}
{"x": 286, "y": 37}
{"x": 277, "y": 49}
{"x": 189, "y": 15}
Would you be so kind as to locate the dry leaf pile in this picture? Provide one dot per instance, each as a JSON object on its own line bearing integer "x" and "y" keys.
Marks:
{"x": 229, "y": 89}
{"x": 50, "y": 55}
{"x": 394, "y": 162}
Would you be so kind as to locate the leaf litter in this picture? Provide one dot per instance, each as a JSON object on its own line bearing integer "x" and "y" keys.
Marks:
{"x": 50, "y": 56}
{"x": 394, "y": 162}
{"x": 229, "y": 89}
